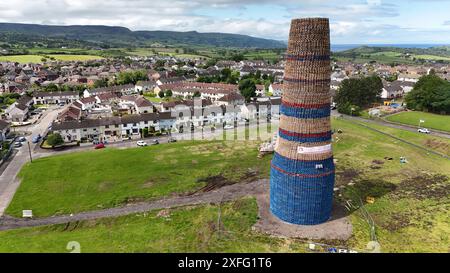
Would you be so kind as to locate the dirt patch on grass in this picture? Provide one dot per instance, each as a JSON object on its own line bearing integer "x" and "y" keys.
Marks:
{"x": 396, "y": 222}
{"x": 424, "y": 186}
{"x": 373, "y": 188}
{"x": 377, "y": 162}
{"x": 437, "y": 144}
{"x": 345, "y": 176}
{"x": 105, "y": 186}
{"x": 212, "y": 183}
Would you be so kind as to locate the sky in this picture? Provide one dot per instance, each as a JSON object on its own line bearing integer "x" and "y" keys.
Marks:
{"x": 351, "y": 21}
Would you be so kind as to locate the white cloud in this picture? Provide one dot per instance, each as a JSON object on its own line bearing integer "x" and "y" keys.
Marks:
{"x": 352, "y": 21}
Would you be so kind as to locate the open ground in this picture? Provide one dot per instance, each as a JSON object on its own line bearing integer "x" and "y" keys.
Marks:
{"x": 409, "y": 208}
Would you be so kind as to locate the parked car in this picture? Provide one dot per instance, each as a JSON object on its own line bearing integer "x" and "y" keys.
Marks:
{"x": 171, "y": 139}
{"x": 228, "y": 127}
{"x": 17, "y": 144}
{"x": 21, "y": 139}
{"x": 99, "y": 146}
{"x": 155, "y": 142}
{"x": 423, "y": 130}
{"x": 36, "y": 139}
{"x": 141, "y": 143}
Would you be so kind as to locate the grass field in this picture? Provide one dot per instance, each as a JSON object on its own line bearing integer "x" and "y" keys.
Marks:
{"x": 111, "y": 177}
{"x": 67, "y": 57}
{"x": 192, "y": 229}
{"x": 410, "y": 210}
{"x": 38, "y": 58}
{"x": 432, "y": 121}
{"x": 22, "y": 58}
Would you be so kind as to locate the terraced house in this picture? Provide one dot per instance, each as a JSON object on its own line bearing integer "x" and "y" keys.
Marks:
{"x": 55, "y": 97}
{"x": 111, "y": 129}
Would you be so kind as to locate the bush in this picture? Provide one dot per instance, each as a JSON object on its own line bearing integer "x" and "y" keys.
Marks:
{"x": 349, "y": 109}
{"x": 55, "y": 139}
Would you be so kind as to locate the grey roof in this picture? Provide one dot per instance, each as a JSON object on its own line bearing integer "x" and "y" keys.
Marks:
{"x": 3, "y": 124}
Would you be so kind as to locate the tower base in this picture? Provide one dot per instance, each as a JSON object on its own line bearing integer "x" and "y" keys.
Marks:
{"x": 338, "y": 227}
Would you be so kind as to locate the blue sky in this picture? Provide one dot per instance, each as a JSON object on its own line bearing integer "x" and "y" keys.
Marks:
{"x": 352, "y": 21}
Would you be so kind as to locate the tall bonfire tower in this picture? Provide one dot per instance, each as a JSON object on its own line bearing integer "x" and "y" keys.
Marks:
{"x": 302, "y": 169}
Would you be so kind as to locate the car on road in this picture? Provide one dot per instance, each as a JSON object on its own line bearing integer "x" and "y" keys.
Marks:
{"x": 141, "y": 143}
{"x": 36, "y": 139}
{"x": 228, "y": 127}
{"x": 99, "y": 146}
{"x": 21, "y": 139}
{"x": 17, "y": 144}
{"x": 171, "y": 139}
{"x": 155, "y": 142}
{"x": 423, "y": 130}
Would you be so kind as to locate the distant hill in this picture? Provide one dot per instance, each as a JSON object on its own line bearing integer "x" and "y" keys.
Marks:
{"x": 395, "y": 55}
{"x": 120, "y": 36}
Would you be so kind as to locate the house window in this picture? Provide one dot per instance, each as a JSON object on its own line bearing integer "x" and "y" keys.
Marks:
{"x": 134, "y": 124}
{"x": 107, "y": 126}
{"x": 117, "y": 126}
{"x": 145, "y": 122}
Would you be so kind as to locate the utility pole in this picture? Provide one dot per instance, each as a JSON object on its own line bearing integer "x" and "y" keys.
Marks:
{"x": 29, "y": 151}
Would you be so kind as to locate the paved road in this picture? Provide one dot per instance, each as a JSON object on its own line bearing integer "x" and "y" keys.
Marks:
{"x": 8, "y": 180}
{"x": 206, "y": 134}
{"x": 223, "y": 194}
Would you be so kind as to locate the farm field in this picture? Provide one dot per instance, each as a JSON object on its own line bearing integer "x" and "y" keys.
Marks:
{"x": 21, "y": 58}
{"x": 67, "y": 57}
{"x": 410, "y": 205}
{"x": 38, "y": 58}
{"x": 432, "y": 121}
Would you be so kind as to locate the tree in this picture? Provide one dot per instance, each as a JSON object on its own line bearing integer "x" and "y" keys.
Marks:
{"x": 51, "y": 88}
{"x": 161, "y": 94}
{"x": 431, "y": 93}
{"x": 131, "y": 77}
{"x": 237, "y": 57}
{"x": 358, "y": 92}
{"x": 197, "y": 94}
{"x": 55, "y": 139}
{"x": 101, "y": 83}
{"x": 168, "y": 93}
{"x": 247, "y": 87}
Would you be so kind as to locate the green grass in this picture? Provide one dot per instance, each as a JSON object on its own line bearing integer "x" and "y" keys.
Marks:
{"x": 38, "y": 58}
{"x": 407, "y": 219}
{"x": 106, "y": 178}
{"x": 432, "y": 57}
{"x": 432, "y": 121}
{"x": 191, "y": 229}
{"x": 21, "y": 58}
{"x": 82, "y": 58}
